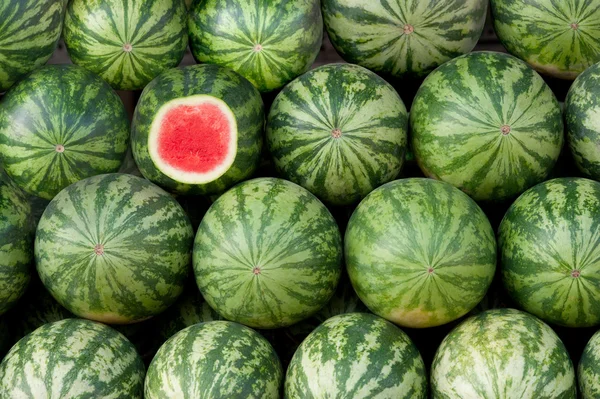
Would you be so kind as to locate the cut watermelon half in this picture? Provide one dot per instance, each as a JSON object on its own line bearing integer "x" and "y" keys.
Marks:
{"x": 193, "y": 140}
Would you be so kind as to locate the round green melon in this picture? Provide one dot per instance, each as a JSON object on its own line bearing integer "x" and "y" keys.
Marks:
{"x": 268, "y": 42}
{"x": 557, "y": 38}
{"x": 588, "y": 371}
{"x": 59, "y": 125}
{"x": 582, "y": 116}
{"x": 488, "y": 124}
{"x": 29, "y": 33}
{"x": 72, "y": 358}
{"x": 114, "y": 248}
{"x": 356, "y": 355}
{"x": 16, "y": 243}
{"x": 217, "y": 359}
{"x": 420, "y": 252}
{"x": 550, "y": 251}
{"x": 502, "y": 353}
{"x": 126, "y": 42}
{"x": 267, "y": 254}
{"x": 198, "y": 130}
{"x": 403, "y": 38}
{"x": 339, "y": 131}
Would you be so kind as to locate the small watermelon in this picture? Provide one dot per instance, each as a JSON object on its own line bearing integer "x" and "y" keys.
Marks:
{"x": 72, "y": 358}
{"x": 217, "y": 359}
{"x": 550, "y": 245}
{"x": 268, "y": 42}
{"x": 420, "y": 252}
{"x": 59, "y": 125}
{"x": 127, "y": 42}
{"x": 16, "y": 243}
{"x": 582, "y": 116}
{"x": 267, "y": 254}
{"x": 198, "y": 130}
{"x": 488, "y": 124}
{"x": 114, "y": 248}
{"x": 589, "y": 369}
{"x": 502, "y": 353}
{"x": 356, "y": 355}
{"x": 29, "y": 33}
{"x": 339, "y": 131}
{"x": 403, "y": 38}
{"x": 558, "y": 38}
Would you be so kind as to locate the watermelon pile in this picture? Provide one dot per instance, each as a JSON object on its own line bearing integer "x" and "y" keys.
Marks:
{"x": 300, "y": 199}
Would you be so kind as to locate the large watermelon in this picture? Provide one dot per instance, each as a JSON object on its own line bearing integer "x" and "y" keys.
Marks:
{"x": 588, "y": 371}
{"x": 339, "y": 131}
{"x": 16, "y": 243}
{"x": 217, "y": 359}
{"x": 72, "y": 358}
{"x": 267, "y": 254}
{"x": 550, "y": 245}
{"x": 420, "y": 252}
{"x": 488, "y": 124}
{"x": 502, "y": 353}
{"x": 59, "y": 125}
{"x": 127, "y": 42}
{"x": 356, "y": 355}
{"x": 29, "y": 33}
{"x": 268, "y": 42}
{"x": 558, "y": 38}
{"x": 198, "y": 130}
{"x": 114, "y": 248}
{"x": 582, "y": 116}
{"x": 403, "y": 38}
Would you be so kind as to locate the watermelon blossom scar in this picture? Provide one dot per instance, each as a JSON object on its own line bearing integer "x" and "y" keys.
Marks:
{"x": 99, "y": 249}
{"x": 336, "y": 133}
{"x": 575, "y": 273}
{"x": 256, "y": 271}
{"x": 59, "y": 148}
{"x": 408, "y": 29}
{"x": 505, "y": 129}
{"x": 127, "y": 47}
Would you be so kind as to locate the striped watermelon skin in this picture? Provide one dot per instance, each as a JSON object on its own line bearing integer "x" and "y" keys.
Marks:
{"x": 16, "y": 243}
{"x": 339, "y": 131}
{"x": 218, "y": 359}
{"x": 582, "y": 117}
{"x": 550, "y": 243}
{"x": 356, "y": 355}
{"x": 403, "y": 38}
{"x": 29, "y": 33}
{"x": 267, "y": 254}
{"x": 114, "y": 248}
{"x": 222, "y": 83}
{"x": 59, "y": 125}
{"x": 502, "y": 353}
{"x": 557, "y": 38}
{"x": 444, "y": 266}
{"x": 268, "y": 42}
{"x": 126, "y": 42}
{"x": 588, "y": 372}
{"x": 72, "y": 358}
{"x": 488, "y": 124}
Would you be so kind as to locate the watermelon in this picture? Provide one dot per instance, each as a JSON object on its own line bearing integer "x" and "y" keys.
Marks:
{"x": 549, "y": 242}
{"x": 557, "y": 38}
{"x": 114, "y": 248}
{"x": 29, "y": 33}
{"x": 446, "y": 260}
{"x": 502, "y": 353}
{"x": 198, "y": 129}
{"x": 488, "y": 124}
{"x": 72, "y": 358}
{"x": 217, "y": 359}
{"x": 582, "y": 116}
{"x": 127, "y": 42}
{"x": 268, "y": 42}
{"x": 588, "y": 371}
{"x": 339, "y": 131}
{"x": 356, "y": 355}
{"x": 59, "y": 125}
{"x": 16, "y": 243}
{"x": 403, "y": 38}
{"x": 267, "y": 254}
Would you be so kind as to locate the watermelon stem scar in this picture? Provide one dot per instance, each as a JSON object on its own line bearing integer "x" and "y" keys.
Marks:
{"x": 574, "y": 26}
{"x": 59, "y": 148}
{"x": 505, "y": 129}
{"x": 193, "y": 139}
{"x": 575, "y": 273}
{"x": 258, "y": 48}
{"x": 408, "y": 29}
{"x": 127, "y": 47}
{"x": 336, "y": 133}
{"x": 256, "y": 271}
{"x": 99, "y": 249}
{"x": 430, "y": 270}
